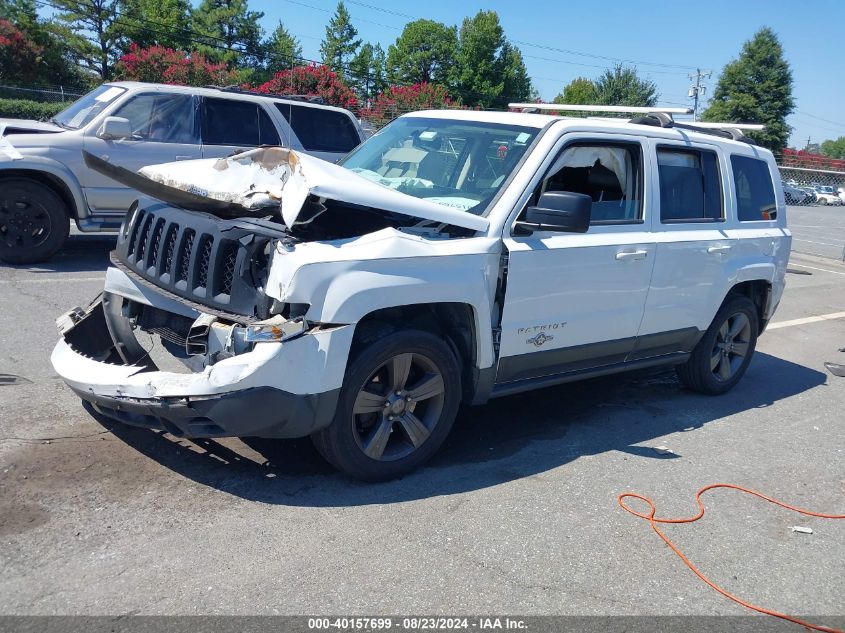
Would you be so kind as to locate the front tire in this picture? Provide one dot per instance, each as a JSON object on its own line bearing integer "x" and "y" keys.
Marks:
{"x": 722, "y": 355}
{"x": 398, "y": 402}
{"x": 34, "y": 221}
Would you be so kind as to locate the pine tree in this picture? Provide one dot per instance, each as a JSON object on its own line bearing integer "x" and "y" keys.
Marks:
{"x": 756, "y": 88}
{"x": 92, "y": 33}
{"x": 340, "y": 43}
{"x": 231, "y": 30}
{"x": 283, "y": 50}
{"x": 366, "y": 71}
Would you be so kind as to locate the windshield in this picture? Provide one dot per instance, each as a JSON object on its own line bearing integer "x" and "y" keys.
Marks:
{"x": 458, "y": 164}
{"x": 82, "y": 112}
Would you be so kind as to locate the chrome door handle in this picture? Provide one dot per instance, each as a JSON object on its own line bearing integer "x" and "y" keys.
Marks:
{"x": 718, "y": 249}
{"x": 184, "y": 157}
{"x": 628, "y": 255}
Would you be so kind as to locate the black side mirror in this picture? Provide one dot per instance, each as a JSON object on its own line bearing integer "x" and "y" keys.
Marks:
{"x": 559, "y": 211}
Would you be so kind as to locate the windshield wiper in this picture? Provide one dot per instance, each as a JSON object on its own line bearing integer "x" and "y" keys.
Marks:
{"x": 60, "y": 124}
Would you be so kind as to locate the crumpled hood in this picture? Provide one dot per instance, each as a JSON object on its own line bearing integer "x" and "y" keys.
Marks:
{"x": 269, "y": 176}
{"x": 27, "y": 126}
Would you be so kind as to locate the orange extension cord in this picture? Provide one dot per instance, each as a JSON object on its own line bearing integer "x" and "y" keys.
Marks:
{"x": 653, "y": 521}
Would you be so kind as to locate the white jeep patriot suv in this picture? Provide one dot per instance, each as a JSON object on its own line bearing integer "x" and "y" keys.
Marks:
{"x": 454, "y": 257}
{"x": 44, "y": 184}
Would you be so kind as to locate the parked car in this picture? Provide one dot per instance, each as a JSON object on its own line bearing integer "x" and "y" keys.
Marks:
{"x": 794, "y": 195}
{"x": 812, "y": 197}
{"x": 454, "y": 257}
{"x": 827, "y": 195}
{"x": 841, "y": 193}
{"x": 44, "y": 183}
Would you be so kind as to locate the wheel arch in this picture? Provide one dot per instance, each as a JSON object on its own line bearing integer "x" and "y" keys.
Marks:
{"x": 456, "y": 322}
{"x": 70, "y": 195}
{"x": 760, "y": 293}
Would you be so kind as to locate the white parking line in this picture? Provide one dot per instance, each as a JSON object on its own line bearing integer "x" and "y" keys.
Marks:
{"x": 812, "y": 319}
{"x": 798, "y": 239}
{"x": 51, "y": 279}
{"x": 825, "y": 270}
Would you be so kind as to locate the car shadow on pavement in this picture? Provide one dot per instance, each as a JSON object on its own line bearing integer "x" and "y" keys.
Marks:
{"x": 505, "y": 440}
{"x": 81, "y": 253}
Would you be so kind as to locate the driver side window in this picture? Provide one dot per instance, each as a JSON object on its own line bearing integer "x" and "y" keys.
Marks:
{"x": 610, "y": 173}
{"x": 161, "y": 118}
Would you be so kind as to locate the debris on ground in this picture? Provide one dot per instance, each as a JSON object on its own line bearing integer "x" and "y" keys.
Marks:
{"x": 801, "y": 529}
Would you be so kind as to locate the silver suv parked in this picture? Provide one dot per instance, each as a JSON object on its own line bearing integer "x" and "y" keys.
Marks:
{"x": 44, "y": 182}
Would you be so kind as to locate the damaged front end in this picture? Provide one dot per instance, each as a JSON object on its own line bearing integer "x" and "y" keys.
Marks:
{"x": 186, "y": 337}
{"x": 123, "y": 355}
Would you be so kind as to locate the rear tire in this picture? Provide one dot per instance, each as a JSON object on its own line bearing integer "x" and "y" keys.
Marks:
{"x": 34, "y": 221}
{"x": 397, "y": 404}
{"x": 722, "y": 355}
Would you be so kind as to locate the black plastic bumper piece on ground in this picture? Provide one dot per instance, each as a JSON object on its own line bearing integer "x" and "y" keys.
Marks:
{"x": 257, "y": 412}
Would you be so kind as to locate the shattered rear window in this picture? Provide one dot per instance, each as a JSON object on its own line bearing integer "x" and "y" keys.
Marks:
{"x": 458, "y": 164}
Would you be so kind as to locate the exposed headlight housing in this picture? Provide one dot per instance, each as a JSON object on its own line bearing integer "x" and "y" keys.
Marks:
{"x": 275, "y": 330}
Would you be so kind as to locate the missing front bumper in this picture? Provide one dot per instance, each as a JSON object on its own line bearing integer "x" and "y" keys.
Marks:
{"x": 261, "y": 393}
{"x": 272, "y": 413}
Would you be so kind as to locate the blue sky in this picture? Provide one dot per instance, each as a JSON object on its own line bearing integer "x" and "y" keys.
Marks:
{"x": 667, "y": 39}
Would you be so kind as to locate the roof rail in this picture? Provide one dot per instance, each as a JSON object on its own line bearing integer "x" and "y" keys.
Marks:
{"x": 732, "y": 131}
{"x": 277, "y": 95}
{"x": 652, "y": 115}
{"x": 566, "y": 107}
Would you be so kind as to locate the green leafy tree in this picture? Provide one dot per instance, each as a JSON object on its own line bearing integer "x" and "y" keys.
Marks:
{"x": 283, "y": 50}
{"x": 578, "y": 91}
{"x": 231, "y": 30}
{"x": 756, "y": 88}
{"x": 834, "y": 148}
{"x": 155, "y": 22}
{"x": 19, "y": 56}
{"x": 55, "y": 64}
{"x": 517, "y": 83}
{"x": 92, "y": 33}
{"x": 423, "y": 53}
{"x": 488, "y": 70}
{"x": 621, "y": 85}
{"x": 341, "y": 41}
{"x": 366, "y": 71}
{"x": 477, "y": 75}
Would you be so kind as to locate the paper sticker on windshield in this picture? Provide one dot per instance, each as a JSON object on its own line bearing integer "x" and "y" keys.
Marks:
{"x": 109, "y": 94}
{"x": 522, "y": 137}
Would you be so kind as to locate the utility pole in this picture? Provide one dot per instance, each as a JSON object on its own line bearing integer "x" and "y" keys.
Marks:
{"x": 697, "y": 89}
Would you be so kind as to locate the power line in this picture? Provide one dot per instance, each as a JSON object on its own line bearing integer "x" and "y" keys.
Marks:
{"x": 534, "y": 45}
{"x": 813, "y": 116}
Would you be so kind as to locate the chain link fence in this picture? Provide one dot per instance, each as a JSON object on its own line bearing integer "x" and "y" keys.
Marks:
{"x": 42, "y": 94}
{"x": 818, "y": 222}
{"x": 813, "y": 187}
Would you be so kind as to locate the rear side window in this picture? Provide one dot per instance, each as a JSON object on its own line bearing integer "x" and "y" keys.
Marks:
{"x": 242, "y": 123}
{"x": 755, "y": 193}
{"x": 690, "y": 189}
{"x": 321, "y": 130}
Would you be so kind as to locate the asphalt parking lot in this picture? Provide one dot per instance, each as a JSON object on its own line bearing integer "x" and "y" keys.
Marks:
{"x": 517, "y": 515}
{"x": 818, "y": 230}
